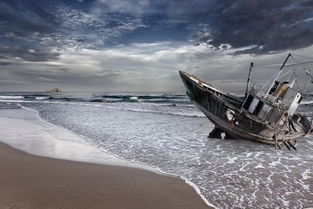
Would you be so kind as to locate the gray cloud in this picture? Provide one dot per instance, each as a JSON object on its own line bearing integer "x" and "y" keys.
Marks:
{"x": 257, "y": 26}
{"x": 123, "y": 6}
{"x": 149, "y": 66}
{"x": 28, "y": 16}
{"x": 23, "y": 24}
{"x": 266, "y": 26}
{"x": 35, "y": 30}
{"x": 186, "y": 9}
{"x": 46, "y": 44}
{"x": 94, "y": 29}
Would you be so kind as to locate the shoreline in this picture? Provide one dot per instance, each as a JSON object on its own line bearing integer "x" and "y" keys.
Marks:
{"x": 33, "y": 141}
{"x": 130, "y": 163}
{"x": 29, "y": 181}
{"x": 41, "y": 138}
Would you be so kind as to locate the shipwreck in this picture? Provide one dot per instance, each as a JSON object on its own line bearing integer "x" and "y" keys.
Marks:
{"x": 267, "y": 115}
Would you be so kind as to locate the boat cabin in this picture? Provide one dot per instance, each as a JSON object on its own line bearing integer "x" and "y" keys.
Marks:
{"x": 281, "y": 100}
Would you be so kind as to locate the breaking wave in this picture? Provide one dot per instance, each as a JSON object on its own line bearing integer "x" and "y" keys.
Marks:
{"x": 12, "y": 97}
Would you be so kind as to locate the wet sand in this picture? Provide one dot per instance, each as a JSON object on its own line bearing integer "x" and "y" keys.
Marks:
{"x": 33, "y": 182}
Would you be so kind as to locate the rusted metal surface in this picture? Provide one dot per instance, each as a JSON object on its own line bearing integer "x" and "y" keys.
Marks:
{"x": 226, "y": 112}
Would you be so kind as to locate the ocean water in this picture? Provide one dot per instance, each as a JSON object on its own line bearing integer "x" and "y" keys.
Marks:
{"x": 166, "y": 131}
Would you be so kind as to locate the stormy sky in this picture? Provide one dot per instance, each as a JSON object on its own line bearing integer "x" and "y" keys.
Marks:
{"x": 126, "y": 45}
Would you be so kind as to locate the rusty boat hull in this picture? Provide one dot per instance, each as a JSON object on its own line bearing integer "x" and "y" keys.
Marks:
{"x": 226, "y": 112}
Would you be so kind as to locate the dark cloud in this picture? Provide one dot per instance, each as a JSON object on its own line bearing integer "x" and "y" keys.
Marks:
{"x": 28, "y": 16}
{"x": 23, "y": 26}
{"x": 32, "y": 55}
{"x": 5, "y": 63}
{"x": 33, "y": 30}
{"x": 258, "y": 26}
{"x": 266, "y": 26}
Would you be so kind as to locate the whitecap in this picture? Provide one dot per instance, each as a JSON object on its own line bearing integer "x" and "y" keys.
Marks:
{"x": 12, "y": 97}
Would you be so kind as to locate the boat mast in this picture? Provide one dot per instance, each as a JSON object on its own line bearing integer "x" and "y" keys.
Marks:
{"x": 278, "y": 74}
{"x": 248, "y": 81}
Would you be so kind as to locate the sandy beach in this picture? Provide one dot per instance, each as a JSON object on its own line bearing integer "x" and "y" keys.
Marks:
{"x": 31, "y": 182}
